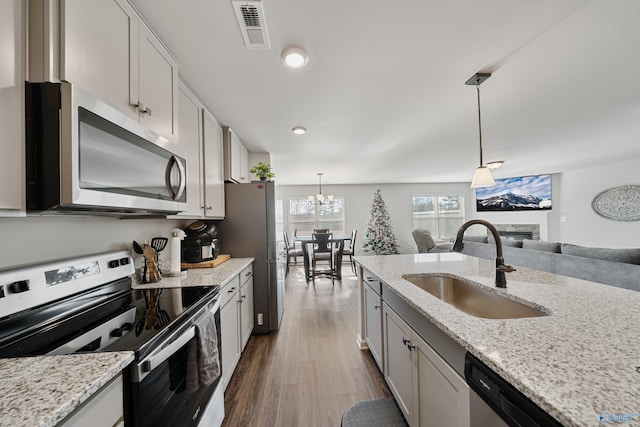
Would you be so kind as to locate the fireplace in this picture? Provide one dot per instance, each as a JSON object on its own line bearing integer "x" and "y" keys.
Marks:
{"x": 519, "y": 231}
{"x": 516, "y": 235}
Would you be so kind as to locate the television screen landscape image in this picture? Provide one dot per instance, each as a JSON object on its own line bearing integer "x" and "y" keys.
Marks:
{"x": 523, "y": 193}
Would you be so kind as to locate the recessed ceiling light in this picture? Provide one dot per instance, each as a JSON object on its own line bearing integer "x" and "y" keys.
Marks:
{"x": 495, "y": 164}
{"x": 294, "y": 57}
{"x": 299, "y": 130}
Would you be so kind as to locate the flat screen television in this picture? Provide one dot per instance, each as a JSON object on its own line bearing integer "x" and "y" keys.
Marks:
{"x": 523, "y": 193}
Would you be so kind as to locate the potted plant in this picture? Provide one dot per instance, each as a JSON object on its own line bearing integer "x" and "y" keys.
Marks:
{"x": 263, "y": 171}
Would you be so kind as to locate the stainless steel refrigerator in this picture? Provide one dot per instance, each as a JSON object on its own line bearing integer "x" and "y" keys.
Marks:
{"x": 249, "y": 230}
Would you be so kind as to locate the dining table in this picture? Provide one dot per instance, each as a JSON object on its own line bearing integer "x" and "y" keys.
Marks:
{"x": 336, "y": 239}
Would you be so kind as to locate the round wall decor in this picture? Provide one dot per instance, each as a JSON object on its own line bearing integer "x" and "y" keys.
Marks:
{"x": 620, "y": 203}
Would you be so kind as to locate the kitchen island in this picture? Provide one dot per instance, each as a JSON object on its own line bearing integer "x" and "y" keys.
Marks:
{"x": 43, "y": 391}
{"x": 579, "y": 362}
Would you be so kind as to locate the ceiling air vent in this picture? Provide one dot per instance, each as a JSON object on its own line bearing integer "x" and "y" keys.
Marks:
{"x": 253, "y": 26}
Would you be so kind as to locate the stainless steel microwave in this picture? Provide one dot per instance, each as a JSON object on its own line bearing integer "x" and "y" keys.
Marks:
{"x": 84, "y": 156}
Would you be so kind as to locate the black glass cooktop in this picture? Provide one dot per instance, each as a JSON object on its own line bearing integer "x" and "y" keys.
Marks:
{"x": 111, "y": 317}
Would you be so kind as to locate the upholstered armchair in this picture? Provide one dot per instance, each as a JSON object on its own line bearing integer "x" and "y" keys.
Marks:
{"x": 426, "y": 244}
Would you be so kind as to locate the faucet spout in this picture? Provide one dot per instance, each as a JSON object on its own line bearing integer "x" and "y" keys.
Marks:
{"x": 501, "y": 267}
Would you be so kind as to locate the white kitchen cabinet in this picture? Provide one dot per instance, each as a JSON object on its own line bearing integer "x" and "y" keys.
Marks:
{"x": 190, "y": 122}
{"x": 246, "y": 305}
{"x": 428, "y": 391}
{"x": 236, "y": 319}
{"x": 103, "y": 409}
{"x": 398, "y": 369}
{"x": 230, "y": 329}
{"x": 373, "y": 320}
{"x": 441, "y": 396}
{"x": 106, "y": 49}
{"x": 236, "y": 158}
{"x": 201, "y": 144}
{"x": 12, "y": 76}
{"x": 213, "y": 155}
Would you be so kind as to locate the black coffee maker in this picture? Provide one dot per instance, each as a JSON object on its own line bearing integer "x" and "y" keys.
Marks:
{"x": 200, "y": 243}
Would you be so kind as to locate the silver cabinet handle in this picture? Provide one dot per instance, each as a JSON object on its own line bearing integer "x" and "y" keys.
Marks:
{"x": 141, "y": 108}
{"x": 182, "y": 184}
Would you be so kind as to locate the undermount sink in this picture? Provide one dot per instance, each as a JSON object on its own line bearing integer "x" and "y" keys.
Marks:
{"x": 471, "y": 298}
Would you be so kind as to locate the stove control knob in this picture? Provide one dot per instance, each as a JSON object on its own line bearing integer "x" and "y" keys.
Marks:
{"x": 114, "y": 263}
{"x": 1, "y": 292}
{"x": 124, "y": 261}
{"x": 18, "y": 287}
{"x": 118, "y": 332}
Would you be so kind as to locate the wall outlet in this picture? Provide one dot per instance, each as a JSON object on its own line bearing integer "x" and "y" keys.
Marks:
{"x": 260, "y": 319}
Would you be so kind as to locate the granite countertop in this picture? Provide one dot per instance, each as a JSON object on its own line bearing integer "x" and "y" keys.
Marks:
{"x": 579, "y": 363}
{"x": 38, "y": 392}
{"x": 219, "y": 275}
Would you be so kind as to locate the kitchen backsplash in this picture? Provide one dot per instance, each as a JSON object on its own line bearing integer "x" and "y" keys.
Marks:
{"x": 36, "y": 239}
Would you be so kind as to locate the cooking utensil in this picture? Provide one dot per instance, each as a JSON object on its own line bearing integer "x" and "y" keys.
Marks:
{"x": 158, "y": 244}
{"x": 153, "y": 274}
{"x": 137, "y": 248}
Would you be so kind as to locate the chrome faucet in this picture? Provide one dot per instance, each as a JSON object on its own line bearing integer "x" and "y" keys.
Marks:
{"x": 501, "y": 267}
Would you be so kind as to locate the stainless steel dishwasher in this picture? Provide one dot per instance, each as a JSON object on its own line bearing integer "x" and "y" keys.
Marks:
{"x": 496, "y": 403}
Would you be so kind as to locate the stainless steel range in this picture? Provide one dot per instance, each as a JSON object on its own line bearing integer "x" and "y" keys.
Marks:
{"x": 87, "y": 304}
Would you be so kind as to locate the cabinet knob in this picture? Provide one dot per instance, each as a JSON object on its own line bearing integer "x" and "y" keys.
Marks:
{"x": 376, "y": 307}
{"x": 209, "y": 208}
{"x": 411, "y": 347}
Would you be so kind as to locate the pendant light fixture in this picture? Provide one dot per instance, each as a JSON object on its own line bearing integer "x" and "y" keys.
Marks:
{"x": 319, "y": 199}
{"x": 482, "y": 175}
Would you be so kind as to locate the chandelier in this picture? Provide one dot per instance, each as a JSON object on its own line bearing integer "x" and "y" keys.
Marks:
{"x": 319, "y": 199}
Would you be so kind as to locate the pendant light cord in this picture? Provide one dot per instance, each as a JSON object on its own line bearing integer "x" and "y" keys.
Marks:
{"x": 479, "y": 120}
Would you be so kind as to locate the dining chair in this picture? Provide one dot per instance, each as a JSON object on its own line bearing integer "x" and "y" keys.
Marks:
{"x": 292, "y": 252}
{"x": 350, "y": 250}
{"x": 320, "y": 230}
{"x": 322, "y": 257}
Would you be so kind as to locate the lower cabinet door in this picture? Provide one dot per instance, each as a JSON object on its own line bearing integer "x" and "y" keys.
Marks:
{"x": 230, "y": 336}
{"x": 246, "y": 310}
{"x": 373, "y": 324}
{"x": 441, "y": 396}
{"x": 398, "y": 361}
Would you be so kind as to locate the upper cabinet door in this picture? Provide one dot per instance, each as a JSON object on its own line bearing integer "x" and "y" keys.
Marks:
{"x": 190, "y": 122}
{"x": 213, "y": 168}
{"x": 157, "y": 85}
{"x": 12, "y": 76}
{"x": 106, "y": 49}
{"x": 96, "y": 42}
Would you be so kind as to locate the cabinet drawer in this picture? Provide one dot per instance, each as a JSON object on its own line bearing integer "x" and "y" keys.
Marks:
{"x": 246, "y": 274}
{"x": 230, "y": 291}
{"x": 103, "y": 409}
{"x": 373, "y": 282}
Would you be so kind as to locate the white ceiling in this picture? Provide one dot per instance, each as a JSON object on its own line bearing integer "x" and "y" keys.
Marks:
{"x": 383, "y": 95}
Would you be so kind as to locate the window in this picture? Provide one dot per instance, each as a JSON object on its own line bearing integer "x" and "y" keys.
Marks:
{"x": 441, "y": 215}
{"x": 305, "y": 216}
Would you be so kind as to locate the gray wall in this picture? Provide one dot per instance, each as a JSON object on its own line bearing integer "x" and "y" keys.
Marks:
{"x": 35, "y": 239}
{"x": 576, "y": 221}
{"x": 358, "y": 199}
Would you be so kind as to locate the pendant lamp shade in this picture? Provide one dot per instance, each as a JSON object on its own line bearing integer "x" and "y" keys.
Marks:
{"x": 482, "y": 178}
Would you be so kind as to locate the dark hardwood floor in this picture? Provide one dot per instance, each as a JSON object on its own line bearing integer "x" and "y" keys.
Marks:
{"x": 311, "y": 371}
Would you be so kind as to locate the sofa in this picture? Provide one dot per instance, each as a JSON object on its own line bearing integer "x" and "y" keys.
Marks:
{"x": 615, "y": 267}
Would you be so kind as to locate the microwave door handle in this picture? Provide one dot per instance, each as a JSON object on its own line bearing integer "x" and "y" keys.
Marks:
{"x": 175, "y": 195}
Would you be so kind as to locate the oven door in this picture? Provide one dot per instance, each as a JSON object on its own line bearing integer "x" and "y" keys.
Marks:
{"x": 157, "y": 392}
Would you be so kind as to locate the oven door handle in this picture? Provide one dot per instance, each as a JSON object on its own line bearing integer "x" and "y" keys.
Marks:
{"x": 145, "y": 366}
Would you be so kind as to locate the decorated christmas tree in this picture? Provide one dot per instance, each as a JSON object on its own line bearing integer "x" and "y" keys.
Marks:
{"x": 379, "y": 237}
